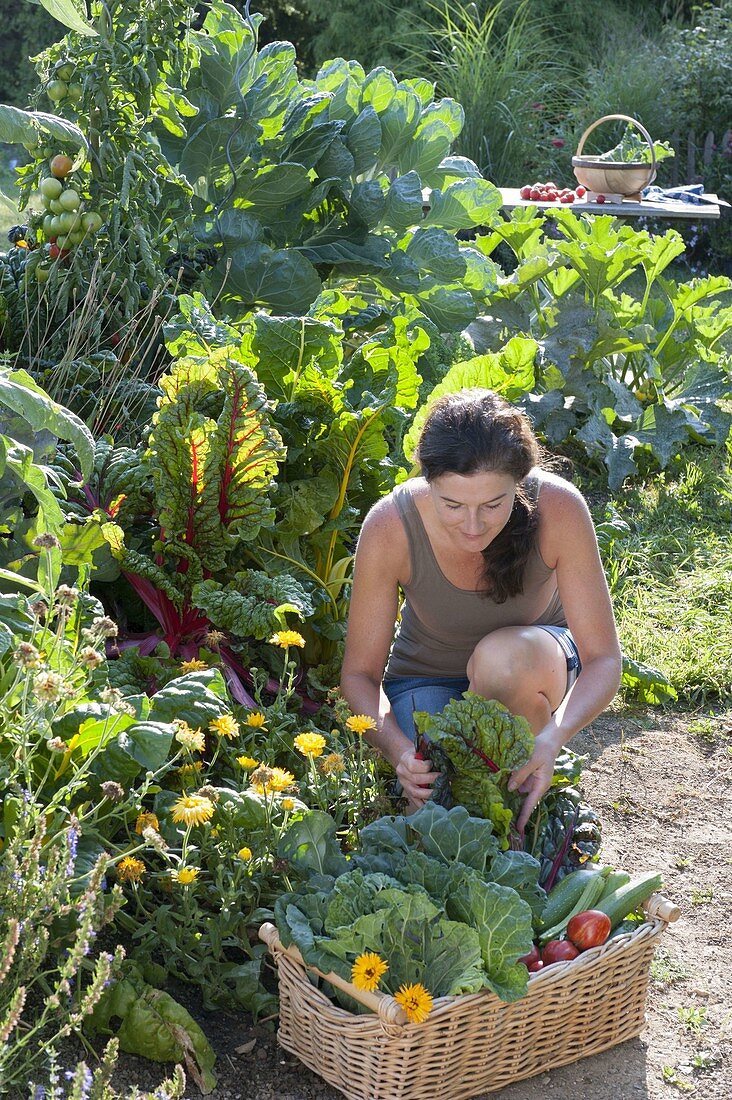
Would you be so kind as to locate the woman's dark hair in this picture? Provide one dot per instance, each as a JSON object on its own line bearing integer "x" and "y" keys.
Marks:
{"x": 476, "y": 431}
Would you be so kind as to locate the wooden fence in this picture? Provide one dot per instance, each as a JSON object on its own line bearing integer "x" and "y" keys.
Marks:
{"x": 683, "y": 167}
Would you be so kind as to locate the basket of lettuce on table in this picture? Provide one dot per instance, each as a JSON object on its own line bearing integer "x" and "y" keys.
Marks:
{"x": 436, "y": 959}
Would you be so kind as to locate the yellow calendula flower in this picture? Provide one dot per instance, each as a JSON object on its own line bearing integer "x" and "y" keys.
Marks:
{"x": 130, "y": 869}
{"x": 192, "y": 809}
{"x": 247, "y": 762}
{"x": 190, "y": 739}
{"x": 310, "y": 744}
{"x": 360, "y": 723}
{"x": 185, "y": 875}
{"x": 245, "y": 854}
{"x": 188, "y": 772}
{"x": 288, "y": 804}
{"x": 225, "y": 726}
{"x": 256, "y": 719}
{"x": 145, "y": 821}
{"x": 416, "y": 1002}
{"x": 368, "y": 970}
{"x": 333, "y": 764}
{"x": 194, "y": 665}
{"x": 286, "y": 638}
{"x": 281, "y": 780}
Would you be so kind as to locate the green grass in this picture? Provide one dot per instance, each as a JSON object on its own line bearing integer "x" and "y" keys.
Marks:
{"x": 671, "y": 576}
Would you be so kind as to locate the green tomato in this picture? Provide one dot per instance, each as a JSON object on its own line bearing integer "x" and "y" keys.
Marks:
{"x": 91, "y": 221}
{"x": 62, "y": 241}
{"x": 69, "y": 222}
{"x": 76, "y": 237}
{"x": 56, "y": 207}
{"x": 75, "y": 92}
{"x": 51, "y": 188}
{"x": 56, "y": 225}
{"x": 64, "y": 70}
{"x": 48, "y": 225}
{"x": 57, "y": 90}
{"x": 42, "y": 274}
{"x": 70, "y": 199}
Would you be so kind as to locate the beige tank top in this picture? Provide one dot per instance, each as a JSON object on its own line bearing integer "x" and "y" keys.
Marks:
{"x": 441, "y": 624}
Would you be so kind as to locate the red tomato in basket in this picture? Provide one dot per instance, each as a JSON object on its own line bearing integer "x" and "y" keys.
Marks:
{"x": 558, "y": 951}
{"x": 533, "y": 956}
{"x": 589, "y": 929}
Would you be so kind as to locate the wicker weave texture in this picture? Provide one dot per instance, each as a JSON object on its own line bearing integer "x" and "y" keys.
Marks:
{"x": 475, "y": 1043}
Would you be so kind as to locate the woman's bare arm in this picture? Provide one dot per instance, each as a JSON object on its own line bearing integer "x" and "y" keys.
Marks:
{"x": 382, "y": 556}
{"x": 569, "y": 543}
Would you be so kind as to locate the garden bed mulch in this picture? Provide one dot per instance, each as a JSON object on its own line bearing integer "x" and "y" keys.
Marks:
{"x": 662, "y": 787}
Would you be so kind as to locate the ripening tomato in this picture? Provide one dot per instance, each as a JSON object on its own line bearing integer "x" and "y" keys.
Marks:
{"x": 61, "y": 165}
{"x": 589, "y": 928}
{"x": 535, "y": 967}
{"x": 558, "y": 951}
{"x": 525, "y": 192}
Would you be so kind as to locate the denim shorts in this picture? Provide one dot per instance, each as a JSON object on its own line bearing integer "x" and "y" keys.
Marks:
{"x": 409, "y": 693}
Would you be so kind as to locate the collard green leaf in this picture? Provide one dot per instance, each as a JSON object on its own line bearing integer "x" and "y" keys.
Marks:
{"x": 310, "y": 844}
{"x": 464, "y": 204}
{"x": 453, "y": 835}
{"x": 21, "y": 393}
{"x": 404, "y": 202}
{"x": 255, "y": 275}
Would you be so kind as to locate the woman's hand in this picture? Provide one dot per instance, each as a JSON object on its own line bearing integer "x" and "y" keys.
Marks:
{"x": 534, "y": 779}
{"x": 416, "y": 777}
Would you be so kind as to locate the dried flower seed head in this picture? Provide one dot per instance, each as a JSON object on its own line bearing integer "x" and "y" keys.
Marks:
{"x": 130, "y": 869}
{"x": 48, "y": 687}
{"x": 332, "y": 764}
{"x": 112, "y": 696}
{"x": 90, "y": 658}
{"x": 261, "y": 778}
{"x": 104, "y": 627}
{"x": 27, "y": 656}
{"x": 66, "y": 596}
{"x": 209, "y": 792}
{"x": 310, "y": 744}
{"x": 214, "y": 638}
{"x": 46, "y": 541}
{"x": 113, "y": 791}
{"x": 57, "y": 744}
{"x": 39, "y": 608}
{"x": 153, "y": 838}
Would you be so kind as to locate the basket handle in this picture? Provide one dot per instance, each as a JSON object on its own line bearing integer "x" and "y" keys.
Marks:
{"x": 387, "y": 1009}
{"x": 624, "y": 118}
{"x": 660, "y": 908}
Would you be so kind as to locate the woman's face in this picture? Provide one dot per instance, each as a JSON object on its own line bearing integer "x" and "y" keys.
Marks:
{"x": 473, "y": 508}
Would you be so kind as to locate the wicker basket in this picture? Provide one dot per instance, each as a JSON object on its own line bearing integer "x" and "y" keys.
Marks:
{"x": 614, "y": 177}
{"x": 473, "y": 1043}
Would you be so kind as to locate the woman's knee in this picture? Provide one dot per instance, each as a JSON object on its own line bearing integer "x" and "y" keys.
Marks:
{"x": 501, "y": 656}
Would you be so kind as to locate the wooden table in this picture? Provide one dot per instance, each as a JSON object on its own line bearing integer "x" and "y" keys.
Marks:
{"x": 710, "y": 208}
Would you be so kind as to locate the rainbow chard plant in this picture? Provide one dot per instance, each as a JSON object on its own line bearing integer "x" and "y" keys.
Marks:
{"x": 178, "y": 514}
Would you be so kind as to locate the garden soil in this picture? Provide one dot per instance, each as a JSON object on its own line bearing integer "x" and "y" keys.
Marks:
{"x": 661, "y": 785}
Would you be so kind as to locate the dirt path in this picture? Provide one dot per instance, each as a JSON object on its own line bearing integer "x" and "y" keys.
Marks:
{"x": 662, "y": 788}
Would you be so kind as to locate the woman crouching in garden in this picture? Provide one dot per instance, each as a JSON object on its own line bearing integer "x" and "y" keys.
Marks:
{"x": 504, "y": 593}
